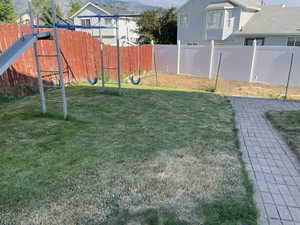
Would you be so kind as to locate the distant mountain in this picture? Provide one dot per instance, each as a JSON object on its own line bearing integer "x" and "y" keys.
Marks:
{"x": 131, "y": 5}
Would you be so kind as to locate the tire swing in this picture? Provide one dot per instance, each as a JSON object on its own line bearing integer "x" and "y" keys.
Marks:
{"x": 133, "y": 80}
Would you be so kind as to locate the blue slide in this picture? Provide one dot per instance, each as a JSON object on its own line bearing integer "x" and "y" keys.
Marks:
{"x": 18, "y": 48}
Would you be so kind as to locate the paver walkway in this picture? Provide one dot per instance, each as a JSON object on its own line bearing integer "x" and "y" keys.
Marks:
{"x": 271, "y": 165}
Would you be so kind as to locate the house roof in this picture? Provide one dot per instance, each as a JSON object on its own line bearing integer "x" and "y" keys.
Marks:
{"x": 249, "y": 4}
{"x": 254, "y": 4}
{"x": 273, "y": 20}
{"x": 112, "y": 10}
{"x": 106, "y": 9}
{"x": 221, "y": 5}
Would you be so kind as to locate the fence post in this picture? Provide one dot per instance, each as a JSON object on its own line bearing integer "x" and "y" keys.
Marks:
{"x": 154, "y": 63}
{"x": 253, "y": 61}
{"x": 211, "y": 61}
{"x": 152, "y": 45}
{"x": 178, "y": 56}
{"x": 218, "y": 71}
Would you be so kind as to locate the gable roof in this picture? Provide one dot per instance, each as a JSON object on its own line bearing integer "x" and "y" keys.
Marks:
{"x": 106, "y": 9}
{"x": 273, "y": 20}
{"x": 222, "y": 5}
{"x": 252, "y": 4}
{"x": 249, "y": 4}
{"x": 112, "y": 10}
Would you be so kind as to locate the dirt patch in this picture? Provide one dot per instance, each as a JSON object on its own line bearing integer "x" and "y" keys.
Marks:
{"x": 230, "y": 88}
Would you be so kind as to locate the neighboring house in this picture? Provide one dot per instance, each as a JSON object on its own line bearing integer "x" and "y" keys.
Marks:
{"x": 127, "y": 26}
{"x": 238, "y": 22}
{"x": 23, "y": 18}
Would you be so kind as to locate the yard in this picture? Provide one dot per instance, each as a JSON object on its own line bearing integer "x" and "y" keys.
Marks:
{"x": 150, "y": 156}
{"x": 288, "y": 123}
{"x": 224, "y": 87}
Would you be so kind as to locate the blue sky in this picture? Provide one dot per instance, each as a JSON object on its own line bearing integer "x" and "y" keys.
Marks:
{"x": 168, "y": 3}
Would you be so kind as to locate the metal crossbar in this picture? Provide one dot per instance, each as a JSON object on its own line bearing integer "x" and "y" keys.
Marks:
{"x": 73, "y": 27}
{"x": 111, "y": 16}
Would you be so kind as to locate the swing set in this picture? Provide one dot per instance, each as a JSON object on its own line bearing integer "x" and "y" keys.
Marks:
{"x": 132, "y": 79}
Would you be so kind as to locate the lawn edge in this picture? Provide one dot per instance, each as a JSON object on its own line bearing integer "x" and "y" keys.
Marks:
{"x": 282, "y": 132}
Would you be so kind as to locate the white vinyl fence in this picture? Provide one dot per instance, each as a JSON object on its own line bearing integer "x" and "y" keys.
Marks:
{"x": 265, "y": 64}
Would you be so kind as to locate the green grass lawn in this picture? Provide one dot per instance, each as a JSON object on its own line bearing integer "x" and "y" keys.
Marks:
{"x": 288, "y": 123}
{"x": 147, "y": 157}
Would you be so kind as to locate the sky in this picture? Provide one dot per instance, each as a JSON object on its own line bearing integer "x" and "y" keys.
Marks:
{"x": 169, "y": 3}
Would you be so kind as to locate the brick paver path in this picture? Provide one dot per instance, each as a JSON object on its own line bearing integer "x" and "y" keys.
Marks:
{"x": 271, "y": 165}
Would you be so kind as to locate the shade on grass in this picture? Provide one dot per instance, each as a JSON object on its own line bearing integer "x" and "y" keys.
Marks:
{"x": 146, "y": 157}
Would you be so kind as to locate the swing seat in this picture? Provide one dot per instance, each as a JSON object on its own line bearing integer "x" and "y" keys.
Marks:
{"x": 92, "y": 81}
{"x": 135, "y": 81}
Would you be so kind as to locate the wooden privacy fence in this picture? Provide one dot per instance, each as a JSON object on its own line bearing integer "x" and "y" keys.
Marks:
{"x": 81, "y": 57}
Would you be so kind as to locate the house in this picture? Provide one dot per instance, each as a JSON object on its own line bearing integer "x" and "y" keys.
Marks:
{"x": 24, "y": 18}
{"x": 238, "y": 22}
{"x": 127, "y": 26}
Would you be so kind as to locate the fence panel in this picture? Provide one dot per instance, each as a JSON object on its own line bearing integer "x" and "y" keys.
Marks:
{"x": 272, "y": 64}
{"x": 166, "y": 58}
{"x": 235, "y": 64}
{"x": 82, "y": 55}
{"x": 195, "y": 60}
{"x": 295, "y": 74}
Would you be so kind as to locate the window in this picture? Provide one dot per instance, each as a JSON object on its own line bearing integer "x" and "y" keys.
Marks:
{"x": 293, "y": 41}
{"x": 230, "y": 18}
{"x": 86, "y": 22}
{"x": 259, "y": 41}
{"x": 184, "y": 20}
{"x": 215, "y": 19}
{"x": 192, "y": 43}
{"x": 108, "y": 21}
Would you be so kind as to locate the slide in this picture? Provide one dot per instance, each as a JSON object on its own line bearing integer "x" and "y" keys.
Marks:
{"x": 18, "y": 48}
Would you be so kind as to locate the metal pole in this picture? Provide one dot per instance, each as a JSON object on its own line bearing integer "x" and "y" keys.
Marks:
{"x": 102, "y": 64}
{"x": 101, "y": 55}
{"x": 59, "y": 60}
{"x": 118, "y": 54}
{"x": 37, "y": 61}
{"x": 139, "y": 60}
{"x": 289, "y": 76}
{"x": 218, "y": 72}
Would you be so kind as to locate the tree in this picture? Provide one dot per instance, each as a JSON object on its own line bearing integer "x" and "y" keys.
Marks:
{"x": 168, "y": 27}
{"x": 75, "y": 6}
{"x": 7, "y": 13}
{"x": 159, "y": 25}
{"x": 42, "y": 8}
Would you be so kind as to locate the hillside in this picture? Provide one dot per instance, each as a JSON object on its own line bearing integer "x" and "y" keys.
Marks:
{"x": 131, "y": 5}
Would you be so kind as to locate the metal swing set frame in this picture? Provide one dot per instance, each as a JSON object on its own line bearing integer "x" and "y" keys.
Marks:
{"x": 117, "y": 18}
{"x": 55, "y": 27}
{"x": 25, "y": 41}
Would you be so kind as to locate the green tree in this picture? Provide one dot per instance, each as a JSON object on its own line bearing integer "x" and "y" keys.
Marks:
{"x": 42, "y": 8}
{"x": 75, "y": 6}
{"x": 168, "y": 27}
{"x": 159, "y": 25}
{"x": 7, "y": 13}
